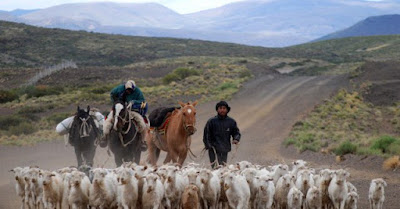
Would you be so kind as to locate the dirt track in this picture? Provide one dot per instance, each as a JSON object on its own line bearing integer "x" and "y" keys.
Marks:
{"x": 265, "y": 109}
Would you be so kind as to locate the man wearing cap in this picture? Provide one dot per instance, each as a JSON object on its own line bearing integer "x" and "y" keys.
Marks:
{"x": 218, "y": 133}
{"x": 129, "y": 93}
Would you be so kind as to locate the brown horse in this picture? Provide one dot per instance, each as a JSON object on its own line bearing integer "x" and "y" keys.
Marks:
{"x": 176, "y": 140}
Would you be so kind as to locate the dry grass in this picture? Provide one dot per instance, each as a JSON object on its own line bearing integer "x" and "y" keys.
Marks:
{"x": 391, "y": 163}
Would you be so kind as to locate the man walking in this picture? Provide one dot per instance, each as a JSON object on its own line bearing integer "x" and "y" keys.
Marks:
{"x": 218, "y": 132}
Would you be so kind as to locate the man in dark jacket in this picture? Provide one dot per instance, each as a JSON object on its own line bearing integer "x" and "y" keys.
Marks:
{"x": 218, "y": 132}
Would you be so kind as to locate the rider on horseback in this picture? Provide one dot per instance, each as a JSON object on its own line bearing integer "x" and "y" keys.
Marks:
{"x": 131, "y": 94}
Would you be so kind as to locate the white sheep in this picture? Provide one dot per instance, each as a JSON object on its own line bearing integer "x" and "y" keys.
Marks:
{"x": 376, "y": 193}
{"x": 52, "y": 189}
{"x": 297, "y": 166}
{"x": 103, "y": 190}
{"x": 153, "y": 192}
{"x": 283, "y": 186}
{"x": 127, "y": 188}
{"x": 237, "y": 190}
{"x": 174, "y": 186}
{"x": 278, "y": 171}
{"x": 304, "y": 181}
{"x": 36, "y": 187}
{"x": 265, "y": 192}
{"x": 338, "y": 188}
{"x": 313, "y": 198}
{"x": 19, "y": 175}
{"x": 351, "y": 187}
{"x": 210, "y": 188}
{"x": 79, "y": 190}
{"x": 295, "y": 198}
{"x": 325, "y": 178}
{"x": 250, "y": 175}
{"x": 351, "y": 201}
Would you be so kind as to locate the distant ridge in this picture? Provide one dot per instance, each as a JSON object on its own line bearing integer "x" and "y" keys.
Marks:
{"x": 371, "y": 26}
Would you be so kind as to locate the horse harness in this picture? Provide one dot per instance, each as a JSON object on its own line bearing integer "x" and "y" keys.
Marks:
{"x": 129, "y": 120}
{"x": 85, "y": 129}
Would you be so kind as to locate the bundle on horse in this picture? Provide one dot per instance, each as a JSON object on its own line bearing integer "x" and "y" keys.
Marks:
{"x": 175, "y": 139}
{"x": 83, "y": 135}
{"x": 125, "y": 137}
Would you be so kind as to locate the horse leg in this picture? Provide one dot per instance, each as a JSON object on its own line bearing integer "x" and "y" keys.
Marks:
{"x": 167, "y": 158}
{"x": 137, "y": 156}
{"x": 153, "y": 154}
{"x": 88, "y": 155}
{"x": 78, "y": 154}
{"x": 182, "y": 157}
{"x": 118, "y": 158}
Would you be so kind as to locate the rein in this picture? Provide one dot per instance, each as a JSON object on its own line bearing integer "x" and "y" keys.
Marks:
{"x": 124, "y": 120}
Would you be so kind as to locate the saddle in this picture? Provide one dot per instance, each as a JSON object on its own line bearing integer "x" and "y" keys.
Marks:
{"x": 161, "y": 129}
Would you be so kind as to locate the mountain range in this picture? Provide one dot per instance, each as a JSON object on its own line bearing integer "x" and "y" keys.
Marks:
{"x": 376, "y": 25}
{"x": 272, "y": 23}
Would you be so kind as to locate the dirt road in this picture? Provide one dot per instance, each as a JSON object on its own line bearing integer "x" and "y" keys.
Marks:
{"x": 265, "y": 109}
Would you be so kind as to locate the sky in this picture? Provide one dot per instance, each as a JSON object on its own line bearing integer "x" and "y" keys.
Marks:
{"x": 180, "y": 6}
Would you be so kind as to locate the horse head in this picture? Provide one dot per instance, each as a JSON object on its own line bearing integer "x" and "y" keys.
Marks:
{"x": 189, "y": 116}
{"x": 120, "y": 115}
{"x": 82, "y": 114}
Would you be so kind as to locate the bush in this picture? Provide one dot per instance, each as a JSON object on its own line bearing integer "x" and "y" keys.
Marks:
{"x": 58, "y": 117}
{"x": 227, "y": 85}
{"x": 31, "y": 109}
{"x": 383, "y": 143}
{"x": 346, "y": 148}
{"x": 40, "y": 90}
{"x": 10, "y": 120}
{"x": 22, "y": 128}
{"x": 7, "y": 96}
{"x": 179, "y": 74}
{"x": 245, "y": 73}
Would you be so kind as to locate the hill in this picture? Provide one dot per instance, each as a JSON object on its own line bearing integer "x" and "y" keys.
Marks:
{"x": 23, "y": 45}
{"x": 262, "y": 22}
{"x": 372, "y": 26}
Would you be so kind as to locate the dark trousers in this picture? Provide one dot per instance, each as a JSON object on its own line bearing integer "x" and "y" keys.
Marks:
{"x": 222, "y": 157}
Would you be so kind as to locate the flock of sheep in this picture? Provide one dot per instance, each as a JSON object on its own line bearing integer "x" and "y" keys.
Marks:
{"x": 240, "y": 185}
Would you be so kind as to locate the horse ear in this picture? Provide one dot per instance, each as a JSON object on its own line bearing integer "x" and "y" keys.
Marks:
{"x": 181, "y": 103}
{"x": 78, "y": 108}
{"x": 88, "y": 109}
{"x": 195, "y": 103}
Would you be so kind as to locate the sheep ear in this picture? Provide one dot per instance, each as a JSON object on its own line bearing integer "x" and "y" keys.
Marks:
{"x": 384, "y": 183}
{"x": 12, "y": 170}
{"x": 52, "y": 175}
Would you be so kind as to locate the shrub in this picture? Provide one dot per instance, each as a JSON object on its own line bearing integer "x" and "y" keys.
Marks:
{"x": 346, "y": 148}
{"x": 227, "y": 85}
{"x": 7, "y": 96}
{"x": 58, "y": 117}
{"x": 10, "y": 120}
{"x": 383, "y": 143}
{"x": 22, "y": 128}
{"x": 31, "y": 109}
{"x": 245, "y": 73}
{"x": 179, "y": 74}
{"x": 40, "y": 90}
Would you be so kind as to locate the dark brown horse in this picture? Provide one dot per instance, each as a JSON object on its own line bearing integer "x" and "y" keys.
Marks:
{"x": 176, "y": 140}
{"x": 125, "y": 137}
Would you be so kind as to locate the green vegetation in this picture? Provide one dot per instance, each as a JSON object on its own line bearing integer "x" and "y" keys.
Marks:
{"x": 7, "y": 96}
{"x": 33, "y": 118}
{"x": 179, "y": 74}
{"x": 345, "y": 124}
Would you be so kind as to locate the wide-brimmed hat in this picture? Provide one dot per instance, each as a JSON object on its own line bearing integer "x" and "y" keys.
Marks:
{"x": 222, "y": 103}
